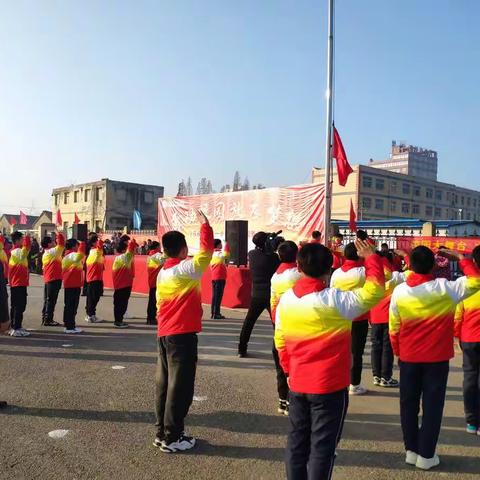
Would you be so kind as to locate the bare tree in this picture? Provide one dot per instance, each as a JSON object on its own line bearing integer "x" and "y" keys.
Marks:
{"x": 237, "y": 182}
{"x": 189, "y": 187}
{"x": 182, "y": 189}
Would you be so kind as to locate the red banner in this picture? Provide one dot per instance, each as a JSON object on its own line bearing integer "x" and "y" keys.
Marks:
{"x": 296, "y": 210}
{"x": 461, "y": 244}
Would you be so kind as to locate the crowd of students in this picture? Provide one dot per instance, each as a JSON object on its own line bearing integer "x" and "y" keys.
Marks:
{"x": 321, "y": 301}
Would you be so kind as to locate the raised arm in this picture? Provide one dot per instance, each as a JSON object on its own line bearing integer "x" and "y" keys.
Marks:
{"x": 464, "y": 286}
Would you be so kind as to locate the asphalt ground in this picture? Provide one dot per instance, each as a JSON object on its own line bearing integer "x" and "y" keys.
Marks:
{"x": 109, "y": 412}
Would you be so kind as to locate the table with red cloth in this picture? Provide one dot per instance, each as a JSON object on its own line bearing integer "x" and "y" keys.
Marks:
{"x": 237, "y": 290}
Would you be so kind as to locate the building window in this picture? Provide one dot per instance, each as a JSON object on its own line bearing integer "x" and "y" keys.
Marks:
{"x": 415, "y": 208}
{"x": 86, "y": 195}
{"x": 468, "y": 215}
{"x": 367, "y": 182}
{"x": 98, "y": 194}
{"x": 393, "y": 187}
{"x": 87, "y": 225}
{"x": 379, "y": 184}
{"x": 378, "y": 204}
{"x": 65, "y": 225}
{"x": 98, "y": 225}
{"x": 416, "y": 191}
{"x": 76, "y": 195}
{"x": 438, "y": 212}
{"x": 449, "y": 196}
{"x": 475, "y": 203}
{"x": 462, "y": 200}
{"x": 438, "y": 195}
{"x": 56, "y": 199}
{"x": 428, "y": 210}
{"x": 429, "y": 193}
{"x": 468, "y": 201}
{"x": 405, "y": 206}
{"x": 367, "y": 203}
{"x": 148, "y": 197}
{"x": 66, "y": 198}
{"x": 406, "y": 188}
{"x": 122, "y": 194}
{"x": 393, "y": 205}
{"x": 456, "y": 198}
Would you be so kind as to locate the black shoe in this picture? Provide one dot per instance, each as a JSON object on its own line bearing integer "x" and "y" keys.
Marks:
{"x": 282, "y": 407}
{"x": 242, "y": 354}
{"x": 121, "y": 325}
{"x": 3, "y": 404}
{"x": 219, "y": 316}
{"x": 51, "y": 324}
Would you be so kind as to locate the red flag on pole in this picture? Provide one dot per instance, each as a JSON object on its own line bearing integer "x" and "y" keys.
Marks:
{"x": 23, "y": 218}
{"x": 59, "y": 221}
{"x": 353, "y": 218}
{"x": 76, "y": 220}
{"x": 13, "y": 221}
{"x": 343, "y": 167}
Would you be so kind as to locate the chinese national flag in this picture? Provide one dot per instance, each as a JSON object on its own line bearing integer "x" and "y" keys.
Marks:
{"x": 13, "y": 221}
{"x": 76, "y": 220}
{"x": 353, "y": 218}
{"x": 343, "y": 167}
{"x": 23, "y": 218}
{"x": 59, "y": 221}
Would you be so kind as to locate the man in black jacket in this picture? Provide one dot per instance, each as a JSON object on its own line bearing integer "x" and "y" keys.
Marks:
{"x": 4, "y": 319}
{"x": 263, "y": 264}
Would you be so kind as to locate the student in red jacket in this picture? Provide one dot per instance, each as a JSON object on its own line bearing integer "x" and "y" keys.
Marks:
{"x": 179, "y": 307}
{"x": 18, "y": 278}
{"x": 123, "y": 271}
{"x": 52, "y": 276}
{"x": 72, "y": 267}
{"x": 218, "y": 271}
{"x": 154, "y": 264}
{"x": 312, "y": 335}
{"x": 421, "y": 327}
{"x": 95, "y": 266}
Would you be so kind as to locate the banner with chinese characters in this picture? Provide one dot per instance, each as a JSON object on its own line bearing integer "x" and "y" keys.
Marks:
{"x": 296, "y": 210}
{"x": 461, "y": 244}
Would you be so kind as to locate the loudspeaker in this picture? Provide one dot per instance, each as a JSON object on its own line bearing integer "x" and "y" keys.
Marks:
{"x": 79, "y": 231}
{"x": 236, "y": 234}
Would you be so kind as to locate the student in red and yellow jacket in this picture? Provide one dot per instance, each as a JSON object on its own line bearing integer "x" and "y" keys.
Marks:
{"x": 72, "y": 268}
{"x": 154, "y": 264}
{"x": 285, "y": 278}
{"x": 123, "y": 271}
{"x": 179, "y": 315}
{"x": 52, "y": 276}
{"x": 3, "y": 257}
{"x": 467, "y": 330}
{"x": 18, "y": 278}
{"x": 218, "y": 272}
{"x": 421, "y": 323}
{"x": 313, "y": 337}
{"x": 94, "y": 275}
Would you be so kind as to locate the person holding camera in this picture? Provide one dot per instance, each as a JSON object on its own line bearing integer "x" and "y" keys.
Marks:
{"x": 263, "y": 263}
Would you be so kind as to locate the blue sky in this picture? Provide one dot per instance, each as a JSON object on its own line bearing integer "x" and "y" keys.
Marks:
{"x": 153, "y": 91}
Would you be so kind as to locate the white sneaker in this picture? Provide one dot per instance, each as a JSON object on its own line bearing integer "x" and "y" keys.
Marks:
{"x": 97, "y": 320}
{"x": 127, "y": 316}
{"x": 411, "y": 458}
{"x": 15, "y": 333}
{"x": 182, "y": 444}
{"x": 357, "y": 390}
{"x": 73, "y": 330}
{"x": 427, "y": 463}
{"x": 89, "y": 319}
{"x": 24, "y": 332}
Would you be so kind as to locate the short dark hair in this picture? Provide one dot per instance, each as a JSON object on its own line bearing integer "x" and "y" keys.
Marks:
{"x": 314, "y": 260}
{"x": 388, "y": 255}
{"x": 259, "y": 239}
{"x": 384, "y": 245}
{"x": 16, "y": 236}
{"x": 316, "y": 234}
{"x": 173, "y": 243}
{"x": 422, "y": 260}
{"x": 122, "y": 246}
{"x": 362, "y": 234}
{"x": 154, "y": 245}
{"x": 287, "y": 251}
{"x": 217, "y": 242}
{"x": 350, "y": 251}
{"x": 46, "y": 241}
{"x": 476, "y": 255}
{"x": 92, "y": 238}
{"x": 71, "y": 243}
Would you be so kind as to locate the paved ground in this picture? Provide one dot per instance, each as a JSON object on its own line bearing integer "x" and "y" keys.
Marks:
{"x": 109, "y": 416}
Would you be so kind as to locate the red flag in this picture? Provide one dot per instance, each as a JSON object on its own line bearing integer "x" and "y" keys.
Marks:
{"x": 343, "y": 167}
{"x": 13, "y": 221}
{"x": 23, "y": 218}
{"x": 76, "y": 220}
{"x": 59, "y": 221}
{"x": 353, "y": 218}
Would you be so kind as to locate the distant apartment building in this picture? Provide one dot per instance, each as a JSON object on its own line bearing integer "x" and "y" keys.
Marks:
{"x": 378, "y": 193}
{"x": 409, "y": 160}
{"x": 107, "y": 204}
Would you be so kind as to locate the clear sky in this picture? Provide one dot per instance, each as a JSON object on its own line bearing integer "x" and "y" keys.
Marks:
{"x": 153, "y": 91}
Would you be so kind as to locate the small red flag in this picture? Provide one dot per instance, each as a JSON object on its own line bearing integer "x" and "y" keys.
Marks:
{"x": 13, "y": 221}
{"x": 76, "y": 220}
{"x": 59, "y": 221}
{"x": 343, "y": 167}
{"x": 353, "y": 218}
{"x": 23, "y": 218}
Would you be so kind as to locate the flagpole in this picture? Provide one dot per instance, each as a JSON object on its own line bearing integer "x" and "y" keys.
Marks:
{"x": 328, "y": 133}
